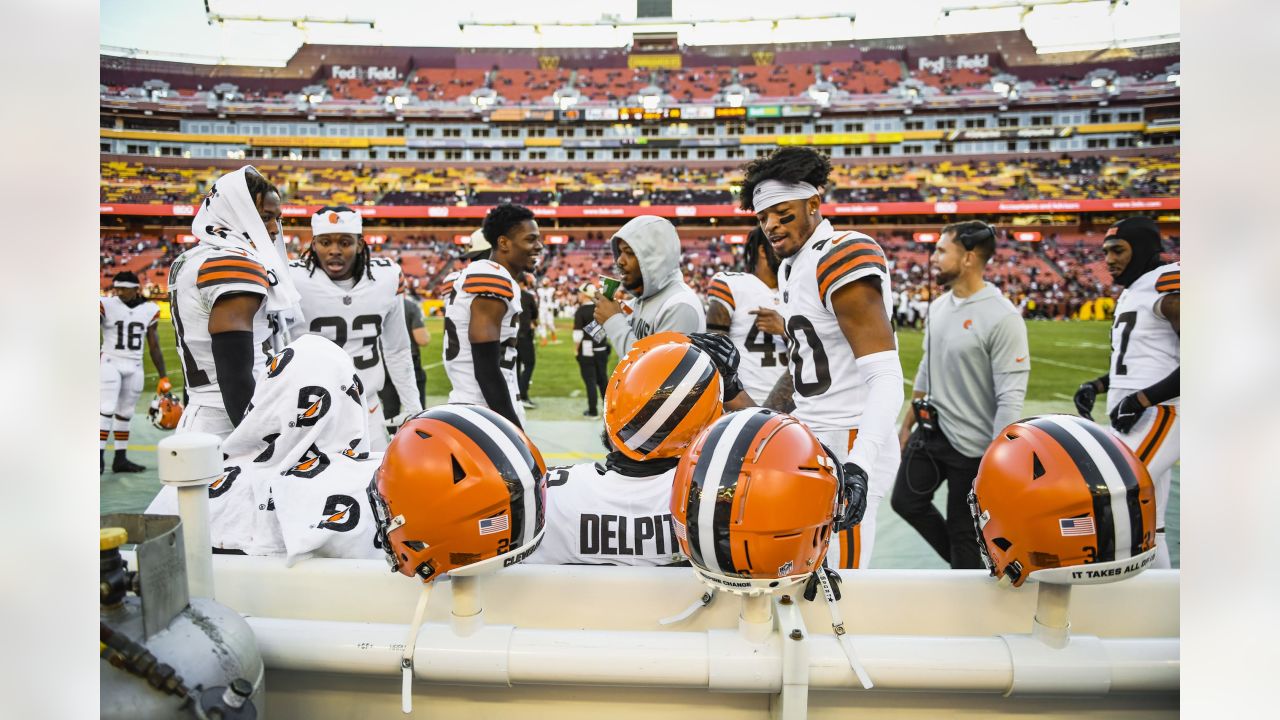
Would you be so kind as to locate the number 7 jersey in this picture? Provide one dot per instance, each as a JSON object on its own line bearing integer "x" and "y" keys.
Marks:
{"x": 763, "y": 356}
{"x": 1144, "y": 347}
{"x": 829, "y": 391}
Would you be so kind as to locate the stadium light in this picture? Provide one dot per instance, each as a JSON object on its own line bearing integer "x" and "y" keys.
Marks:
{"x": 567, "y": 101}
{"x": 1098, "y": 82}
{"x": 734, "y": 99}
{"x": 822, "y": 97}
{"x": 1000, "y": 87}
{"x": 1175, "y": 78}
{"x": 651, "y": 102}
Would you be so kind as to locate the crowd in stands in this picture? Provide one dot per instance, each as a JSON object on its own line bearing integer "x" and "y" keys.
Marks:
{"x": 1027, "y": 178}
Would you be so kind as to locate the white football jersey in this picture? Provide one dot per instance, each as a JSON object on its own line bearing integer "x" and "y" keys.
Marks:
{"x": 483, "y": 278}
{"x": 197, "y": 278}
{"x": 1144, "y": 347}
{"x": 366, "y": 320}
{"x": 764, "y": 356}
{"x": 124, "y": 328}
{"x": 829, "y": 391}
{"x": 600, "y": 517}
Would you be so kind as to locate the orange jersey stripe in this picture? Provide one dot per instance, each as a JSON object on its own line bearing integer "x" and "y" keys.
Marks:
{"x": 222, "y": 263}
{"x": 719, "y": 294}
{"x": 487, "y": 286}
{"x": 848, "y": 267}
{"x": 840, "y": 252}
{"x": 228, "y": 276}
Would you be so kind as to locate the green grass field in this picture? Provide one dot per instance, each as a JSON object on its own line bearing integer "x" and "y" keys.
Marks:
{"x": 1063, "y": 354}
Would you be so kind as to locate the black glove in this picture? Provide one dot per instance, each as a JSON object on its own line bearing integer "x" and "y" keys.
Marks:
{"x": 811, "y": 585}
{"x": 853, "y": 496}
{"x": 1084, "y": 398}
{"x": 726, "y": 359}
{"x": 1125, "y": 415}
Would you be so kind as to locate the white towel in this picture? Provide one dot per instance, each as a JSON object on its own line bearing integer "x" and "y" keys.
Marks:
{"x": 298, "y": 464}
{"x": 228, "y": 220}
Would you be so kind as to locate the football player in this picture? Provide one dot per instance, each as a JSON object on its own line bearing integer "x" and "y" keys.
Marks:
{"x": 845, "y": 379}
{"x": 546, "y": 312}
{"x": 125, "y": 318}
{"x": 351, "y": 298}
{"x": 224, "y": 297}
{"x": 743, "y": 306}
{"x": 661, "y": 396}
{"x": 647, "y": 253}
{"x": 1143, "y": 386}
{"x": 482, "y": 316}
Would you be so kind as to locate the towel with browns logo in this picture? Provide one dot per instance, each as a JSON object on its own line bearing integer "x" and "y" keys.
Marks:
{"x": 298, "y": 464}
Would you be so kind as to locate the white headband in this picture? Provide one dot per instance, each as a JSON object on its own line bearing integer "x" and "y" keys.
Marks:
{"x": 123, "y": 284}
{"x": 771, "y": 192}
{"x": 329, "y": 221}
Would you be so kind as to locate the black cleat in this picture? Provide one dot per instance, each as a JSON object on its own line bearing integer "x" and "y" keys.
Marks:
{"x": 125, "y": 465}
{"x": 591, "y": 414}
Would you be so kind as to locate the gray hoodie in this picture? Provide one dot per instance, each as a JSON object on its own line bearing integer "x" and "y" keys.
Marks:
{"x": 666, "y": 303}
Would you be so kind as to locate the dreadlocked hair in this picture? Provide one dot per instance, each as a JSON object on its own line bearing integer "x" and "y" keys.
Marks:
{"x": 363, "y": 254}
{"x": 788, "y": 164}
{"x": 259, "y": 186}
{"x": 751, "y": 252}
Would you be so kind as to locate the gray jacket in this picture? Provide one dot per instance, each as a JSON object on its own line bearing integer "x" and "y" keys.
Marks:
{"x": 666, "y": 303}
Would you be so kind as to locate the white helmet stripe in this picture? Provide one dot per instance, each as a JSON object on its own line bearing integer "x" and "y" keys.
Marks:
{"x": 1115, "y": 484}
{"x": 672, "y": 402}
{"x": 711, "y": 489}
{"x": 514, "y": 457}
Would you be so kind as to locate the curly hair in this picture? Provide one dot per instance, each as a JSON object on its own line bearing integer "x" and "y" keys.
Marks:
{"x": 501, "y": 219}
{"x": 788, "y": 164}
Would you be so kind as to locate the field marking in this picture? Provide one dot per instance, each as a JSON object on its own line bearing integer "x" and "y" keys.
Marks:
{"x": 1091, "y": 346}
{"x": 1069, "y": 366}
{"x": 1060, "y": 396}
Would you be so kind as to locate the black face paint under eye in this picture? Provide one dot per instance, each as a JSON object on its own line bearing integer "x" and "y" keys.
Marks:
{"x": 787, "y": 219}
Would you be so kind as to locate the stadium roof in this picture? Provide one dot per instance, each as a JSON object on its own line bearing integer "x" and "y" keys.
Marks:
{"x": 248, "y": 32}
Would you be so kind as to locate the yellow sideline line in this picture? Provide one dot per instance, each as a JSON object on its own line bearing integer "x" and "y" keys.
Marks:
{"x": 545, "y": 456}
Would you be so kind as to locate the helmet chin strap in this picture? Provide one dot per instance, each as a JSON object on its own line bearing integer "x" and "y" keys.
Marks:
{"x": 406, "y": 660}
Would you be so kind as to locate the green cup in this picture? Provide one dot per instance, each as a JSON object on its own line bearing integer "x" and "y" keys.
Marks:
{"x": 609, "y": 286}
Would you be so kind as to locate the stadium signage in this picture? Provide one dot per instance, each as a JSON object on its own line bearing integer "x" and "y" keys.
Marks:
{"x": 372, "y": 72}
{"x": 964, "y": 207}
{"x": 959, "y": 62}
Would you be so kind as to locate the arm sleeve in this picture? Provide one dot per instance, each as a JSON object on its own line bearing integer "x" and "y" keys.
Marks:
{"x": 1011, "y": 391}
{"x": 233, "y": 363}
{"x": 413, "y": 315}
{"x": 877, "y": 433}
{"x": 682, "y": 318}
{"x": 485, "y": 359}
{"x": 1165, "y": 389}
{"x": 395, "y": 353}
{"x": 922, "y": 377}
{"x": 1007, "y": 346}
{"x": 618, "y": 330}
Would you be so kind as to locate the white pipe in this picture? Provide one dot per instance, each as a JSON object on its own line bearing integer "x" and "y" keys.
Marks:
{"x": 720, "y": 660}
{"x": 467, "y": 613}
{"x": 793, "y": 702}
{"x": 755, "y": 618}
{"x": 189, "y": 462}
{"x": 1051, "y": 625}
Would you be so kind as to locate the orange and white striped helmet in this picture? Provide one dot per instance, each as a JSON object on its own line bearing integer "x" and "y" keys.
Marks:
{"x": 754, "y": 501}
{"x": 662, "y": 394}
{"x": 1058, "y": 499}
{"x": 460, "y": 490}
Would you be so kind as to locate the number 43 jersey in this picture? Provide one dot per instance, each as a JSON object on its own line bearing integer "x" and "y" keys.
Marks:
{"x": 482, "y": 278}
{"x": 764, "y": 356}
{"x": 124, "y": 328}
{"x": 365, "y": 319}
{"x": 829, "y": 391}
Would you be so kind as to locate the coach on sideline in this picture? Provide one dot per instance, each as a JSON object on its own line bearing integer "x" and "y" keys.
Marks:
{"x": 971, "y": 383}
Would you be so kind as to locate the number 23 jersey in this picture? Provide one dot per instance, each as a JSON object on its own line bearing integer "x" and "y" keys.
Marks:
{"x": 763, "y": 356}
{"x": 829, "y": 391}
{"x": 1144, "y": 347}
{"x": 355, "y": 318}
{"x": 482, "y": 278}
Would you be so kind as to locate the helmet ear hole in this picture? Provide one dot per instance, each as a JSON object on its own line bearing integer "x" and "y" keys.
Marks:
{"x": 1002, "y": 543}
{"x": 1037, "y": 467}
{"x": 458, "y": 473}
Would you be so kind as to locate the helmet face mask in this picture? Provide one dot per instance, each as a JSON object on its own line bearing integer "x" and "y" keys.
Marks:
{"x": 754, "y": 502}
{"x": 1058, "y": 499}
{"x": 460, "y": 490}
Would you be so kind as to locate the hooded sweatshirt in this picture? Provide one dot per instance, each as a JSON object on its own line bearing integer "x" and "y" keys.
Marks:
{"x": 666, "y": 303}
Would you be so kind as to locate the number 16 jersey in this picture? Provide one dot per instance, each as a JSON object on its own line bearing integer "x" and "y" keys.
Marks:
{"x": 829, "y": 391}
{"x": 763, "y": 356}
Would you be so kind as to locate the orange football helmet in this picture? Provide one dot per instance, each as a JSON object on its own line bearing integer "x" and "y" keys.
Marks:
{"x": 165, "y": 411}
{"x": 754, "y": 500}
{"x": 662, "y": 394}
{"x": 1058, "y": 499}
{"x": 460, "y": 490}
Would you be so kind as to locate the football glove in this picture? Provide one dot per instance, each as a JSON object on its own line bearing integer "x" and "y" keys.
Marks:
{"x": 1125, "y": 415}
{"x": 1084, "y": 398}
{"x": 726, "y": 359}
{"x": 853, "y": 496}
{"x": 163, "y": 386}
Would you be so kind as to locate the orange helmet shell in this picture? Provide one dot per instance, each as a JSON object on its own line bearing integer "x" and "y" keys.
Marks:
{"x": 165, "y": 411}
{"x": 754, "y": 500}
{"x": 1059, "y": 499}
{"x": 662, "y": 394}
{"x": 461, "y": 490}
